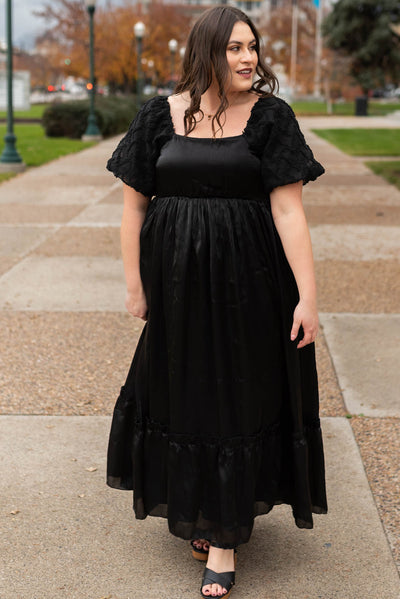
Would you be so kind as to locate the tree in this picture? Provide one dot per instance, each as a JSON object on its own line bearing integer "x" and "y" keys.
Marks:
{"x": 42, "y": 70}
{"x": 115, "y": 44}
{"x": 360, "y": 29}
{"x": 67, "y": 35}
{"x": 277, "y": 35}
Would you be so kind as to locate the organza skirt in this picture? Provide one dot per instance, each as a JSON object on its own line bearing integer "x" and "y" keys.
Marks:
{"x": 217, "y": 421}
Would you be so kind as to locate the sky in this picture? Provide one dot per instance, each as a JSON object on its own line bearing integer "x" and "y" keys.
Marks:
{"x": 25, "y": 25}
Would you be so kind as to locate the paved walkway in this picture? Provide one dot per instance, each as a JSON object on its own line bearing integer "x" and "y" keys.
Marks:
{"x": 390, "y": 121}
{"x": 66, "y": 347}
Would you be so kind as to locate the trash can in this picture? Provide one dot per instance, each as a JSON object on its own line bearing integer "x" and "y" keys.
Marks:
{"x": 361, "y": 106}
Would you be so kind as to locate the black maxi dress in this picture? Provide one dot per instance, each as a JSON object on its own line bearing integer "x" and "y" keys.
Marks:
{"x": 217, "y": 421}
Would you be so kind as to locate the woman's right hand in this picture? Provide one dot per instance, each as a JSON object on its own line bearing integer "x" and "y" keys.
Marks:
{"x": 136, "y": 303}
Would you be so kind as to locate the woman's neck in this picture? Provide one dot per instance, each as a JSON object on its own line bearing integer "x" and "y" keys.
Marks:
{"x": 210, "y": 99}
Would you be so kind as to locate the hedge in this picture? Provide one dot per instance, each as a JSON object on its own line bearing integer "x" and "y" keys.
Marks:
{"x": 69, "y": 119}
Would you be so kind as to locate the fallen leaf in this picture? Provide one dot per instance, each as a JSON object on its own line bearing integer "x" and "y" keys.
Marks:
{"x": 81, "y": 495}
{"x": 91, "y": 469}
{"x": 14, "y": 512}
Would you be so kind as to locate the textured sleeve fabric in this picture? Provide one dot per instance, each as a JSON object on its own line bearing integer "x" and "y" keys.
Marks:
{"x": 134, "y": 159}
{"x": 286, "y": 157}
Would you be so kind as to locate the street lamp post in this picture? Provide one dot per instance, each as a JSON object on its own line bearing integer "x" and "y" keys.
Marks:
{"x": 293, "y": 51}
{"x": 92, "y": 132}
{"x": 10, "y": 160}
{"x": 173, "y": 47}
{"x": 139, "y": 31}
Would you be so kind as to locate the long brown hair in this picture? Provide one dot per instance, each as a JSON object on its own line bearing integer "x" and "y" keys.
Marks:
{"x": 206, "y": 53}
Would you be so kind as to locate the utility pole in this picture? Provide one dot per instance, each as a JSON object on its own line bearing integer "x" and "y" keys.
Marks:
{"x": 293, "y": 55}
{"x": 319, "y": 5}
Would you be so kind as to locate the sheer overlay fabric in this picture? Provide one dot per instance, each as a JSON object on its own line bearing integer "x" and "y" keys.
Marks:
{"x": 217, "y": 421}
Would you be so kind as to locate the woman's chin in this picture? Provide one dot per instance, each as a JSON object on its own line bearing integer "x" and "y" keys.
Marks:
{"x": 242, "y": 86}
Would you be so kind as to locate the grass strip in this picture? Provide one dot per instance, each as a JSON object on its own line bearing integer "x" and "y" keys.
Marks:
{"x": 310, "y": 108}
{"x": 37, "y": 149}
{"x": 35, "y": 112}
{"x": 301, "y": 108}
{"x": 388, "y": 169}
{"x": 363, "y": 142}
{"x": 6, "y": 176}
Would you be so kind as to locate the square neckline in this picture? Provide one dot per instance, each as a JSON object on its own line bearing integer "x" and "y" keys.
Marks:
{"x": 179, "y": 135}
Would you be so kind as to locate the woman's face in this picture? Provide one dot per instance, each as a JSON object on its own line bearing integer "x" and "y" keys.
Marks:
{"x": 242, "y": 57}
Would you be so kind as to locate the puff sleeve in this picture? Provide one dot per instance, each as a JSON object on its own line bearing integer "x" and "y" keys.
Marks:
{"x": 134, "y": 159}
{"x": 286, "y": 157}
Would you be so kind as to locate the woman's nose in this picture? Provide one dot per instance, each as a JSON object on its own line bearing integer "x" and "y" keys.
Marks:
{"x": 246, "y": 56}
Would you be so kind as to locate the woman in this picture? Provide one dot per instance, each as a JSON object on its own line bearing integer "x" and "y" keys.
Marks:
{"x": 218, "y": 419}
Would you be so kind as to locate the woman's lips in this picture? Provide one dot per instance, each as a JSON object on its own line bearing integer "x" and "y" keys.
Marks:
{"x": 246, "y": 73}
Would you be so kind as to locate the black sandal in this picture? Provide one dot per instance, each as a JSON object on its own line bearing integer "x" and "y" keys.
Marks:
{"x": 200, "y": 554}
{"x": 225, "y": 579}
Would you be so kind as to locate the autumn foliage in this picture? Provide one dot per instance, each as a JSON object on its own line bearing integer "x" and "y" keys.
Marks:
{"x": 66, "y": 40}
{"x": 278, "y": 33}
{"x": 64, "y": 46}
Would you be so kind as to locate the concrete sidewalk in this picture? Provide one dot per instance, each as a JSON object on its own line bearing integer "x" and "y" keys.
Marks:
{"x": 67, "y": 344}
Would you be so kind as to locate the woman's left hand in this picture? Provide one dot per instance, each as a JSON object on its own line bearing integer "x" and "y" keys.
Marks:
{"x": 305, "y": 315}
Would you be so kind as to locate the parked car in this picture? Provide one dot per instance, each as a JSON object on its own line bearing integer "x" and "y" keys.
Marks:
{"x": 388, "y": 91}
{"x": 149, "y": 90}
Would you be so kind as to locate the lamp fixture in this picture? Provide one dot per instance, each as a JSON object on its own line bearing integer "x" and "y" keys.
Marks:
{"x": 173, "y": 46}
{"x": 139, "y": 29}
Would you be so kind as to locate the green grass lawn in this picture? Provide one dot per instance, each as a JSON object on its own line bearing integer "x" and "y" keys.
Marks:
{"x": 35, "y": 112}
{"x": 389, "y": 170}
{"x": 300, "y": 108}
{"x": 343, "y": 109}
{"x": 364, "y": 142}
{"x": 5, "y": 176}
{"x": 369, "y": 142}
{"x": 36, "y": 149}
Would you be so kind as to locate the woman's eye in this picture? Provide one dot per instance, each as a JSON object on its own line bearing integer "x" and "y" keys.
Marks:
{"x": 236, "y": 48}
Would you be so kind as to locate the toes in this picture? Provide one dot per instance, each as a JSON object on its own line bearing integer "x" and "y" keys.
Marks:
{"x": 201, "y": 543}
{"x": 217, "y": 590}
{"x": 213, "y": 590}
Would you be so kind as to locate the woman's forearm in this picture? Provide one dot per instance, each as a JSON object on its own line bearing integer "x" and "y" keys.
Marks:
{"x": 295, "y": 236}
{"x": 135, "y": 207}
{"x": 290, "y": 222}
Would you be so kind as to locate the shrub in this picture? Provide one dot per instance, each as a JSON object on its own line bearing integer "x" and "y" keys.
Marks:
{"x": 69, "y": 119}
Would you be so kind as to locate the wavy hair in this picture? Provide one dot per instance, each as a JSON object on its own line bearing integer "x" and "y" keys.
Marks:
{"x": 205, "y": 56}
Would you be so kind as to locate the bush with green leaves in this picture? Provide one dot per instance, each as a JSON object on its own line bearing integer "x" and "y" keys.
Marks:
{"x": 364, "y": 31}
{"x": 69, "y": 119}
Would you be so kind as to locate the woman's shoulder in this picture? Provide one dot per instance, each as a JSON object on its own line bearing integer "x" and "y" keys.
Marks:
{"x": 269, "y": 107}
{"x": 182, "y": 99}
{"x": 155, "y": 105}
{"x": 270, "y": 110}
{"x": 153, "y": 117}
{"x": 269, "y": 115}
